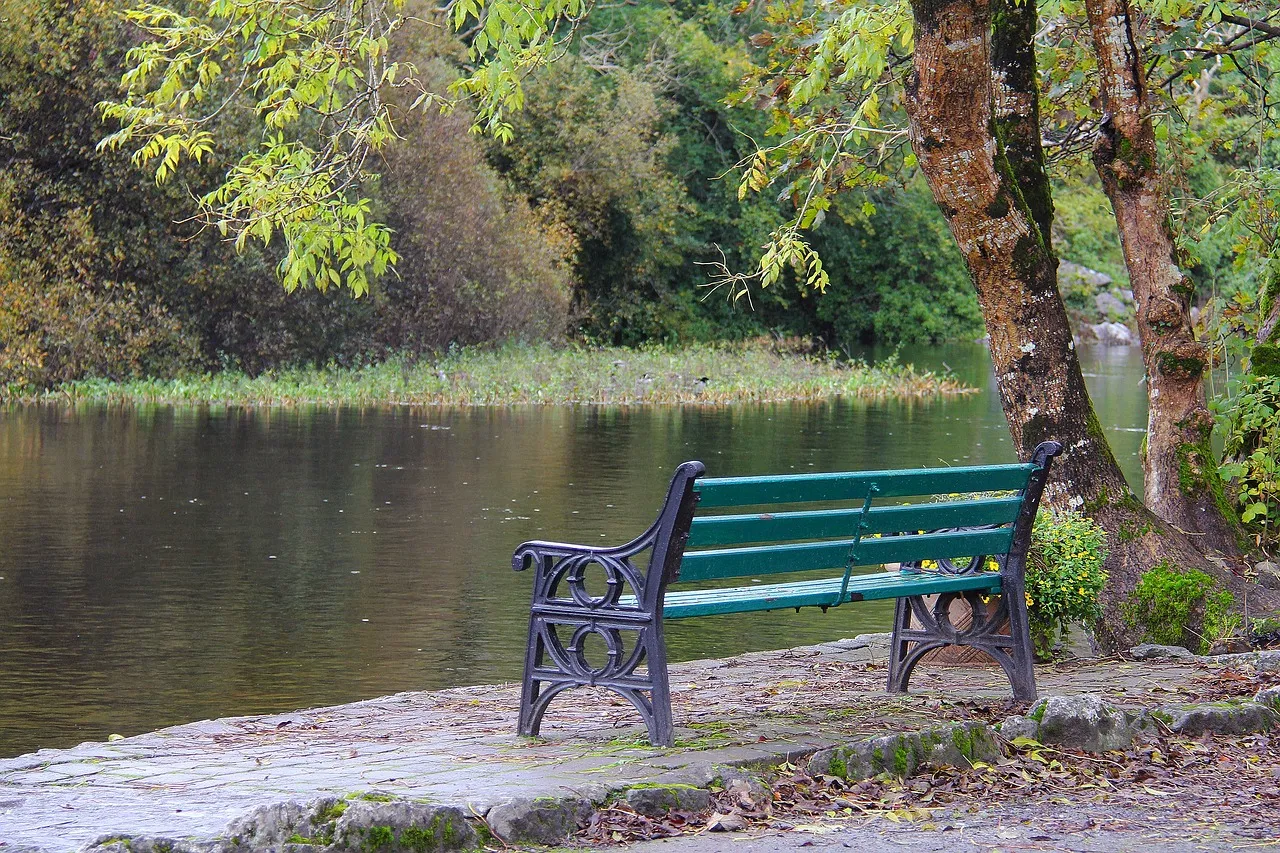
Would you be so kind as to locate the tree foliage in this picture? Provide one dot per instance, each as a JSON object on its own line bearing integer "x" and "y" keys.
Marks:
{"x": 103, "y": 273}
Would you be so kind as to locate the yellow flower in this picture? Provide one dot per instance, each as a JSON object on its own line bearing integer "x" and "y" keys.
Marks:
{"x": 1030, "y": 600}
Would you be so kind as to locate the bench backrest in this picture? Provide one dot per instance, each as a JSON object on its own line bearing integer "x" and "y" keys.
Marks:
{"x": 870, "y": 524}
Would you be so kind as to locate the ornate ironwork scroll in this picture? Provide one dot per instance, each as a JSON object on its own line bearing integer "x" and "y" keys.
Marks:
{"x": 626, "y": 617}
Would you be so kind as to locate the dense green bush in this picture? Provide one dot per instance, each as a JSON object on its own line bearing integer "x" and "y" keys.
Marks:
{"x": 590, "y": 155}
{"x": 1064, "y": 575}
{"x": 1176, "y": 607}
{"x": 61, "y": 317}
{"x": 101, "y": 273}
{"x": 896, "y": 276}
{"x": 475, "y": 264}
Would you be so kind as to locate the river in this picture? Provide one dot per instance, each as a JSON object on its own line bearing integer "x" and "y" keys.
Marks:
{"x": 160, "y": 565}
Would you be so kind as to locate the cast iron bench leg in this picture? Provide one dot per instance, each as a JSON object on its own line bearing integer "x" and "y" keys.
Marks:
{"x": 542, "y": 683}
{"x": 1012, "y": 651}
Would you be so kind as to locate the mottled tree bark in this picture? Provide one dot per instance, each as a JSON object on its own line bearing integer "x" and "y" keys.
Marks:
{"x": 1017, "y": 106}
{"x": 1182, "y": 482}
{"x": 971, "y": 100}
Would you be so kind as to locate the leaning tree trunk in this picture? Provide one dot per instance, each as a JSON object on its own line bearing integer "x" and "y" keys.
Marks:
{"x": 1182, "y": 482}
{"x": 1002, "y": 234}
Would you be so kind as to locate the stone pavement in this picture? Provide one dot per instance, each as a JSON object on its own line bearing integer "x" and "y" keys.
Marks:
{"x": 458, "y": 747}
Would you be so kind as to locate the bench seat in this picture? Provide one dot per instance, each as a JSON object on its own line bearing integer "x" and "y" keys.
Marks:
{"x": 817, "y": 593}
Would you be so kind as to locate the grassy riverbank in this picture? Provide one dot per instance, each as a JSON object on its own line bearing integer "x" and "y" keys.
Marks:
{"x": 535, "y": 374}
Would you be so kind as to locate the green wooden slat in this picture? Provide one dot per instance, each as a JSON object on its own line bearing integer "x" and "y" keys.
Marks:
{"x": 881, "y": 585}
{"x": 853, "y": 485}
{"x": 715, "y": 530}
{"x": 778, "y": 559}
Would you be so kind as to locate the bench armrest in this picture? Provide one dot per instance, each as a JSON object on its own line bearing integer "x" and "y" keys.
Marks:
{"x": 666, "y": 536}
{"x": 539, "y": 551}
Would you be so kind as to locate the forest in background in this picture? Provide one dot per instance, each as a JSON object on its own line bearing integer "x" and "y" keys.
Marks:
{"x": 597, "y": 222}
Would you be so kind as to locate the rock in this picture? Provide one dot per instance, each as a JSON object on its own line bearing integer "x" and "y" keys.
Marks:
{"x": 1080, "y": 641}
{"x": 1267, "y": 661}
{"x": 542, "y": 821}
{"x": 1227, "y": 718}
{"x": 1268, "y": 574}
{"x": 1018, "y": 726}
{"x": 401, "y": 827}
{"x": 271, "y": 825}
{"x": 1270, "y": 697}
{"x": 1112, "y": 334}
{"x": 1084, "y": 722}
{"x": 1229, "y": 646}
{"x": 139, "y": 844}
{"x": 957, "y": 745}
{"x": 1110, "y": 307}
{"x": 341, "y": 825}
{"x": 862, "y": 641}
{"x": 1069, "y": 274}
{"x": 1152, "y": 651}
{"x": 750, "y": 792}
{"x": 657, "y": 800}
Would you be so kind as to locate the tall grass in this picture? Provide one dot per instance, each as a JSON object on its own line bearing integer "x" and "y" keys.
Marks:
{"x": 537, "y": 374}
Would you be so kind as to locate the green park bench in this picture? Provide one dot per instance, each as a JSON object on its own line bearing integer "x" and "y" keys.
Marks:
{"x": 944, "y": 548}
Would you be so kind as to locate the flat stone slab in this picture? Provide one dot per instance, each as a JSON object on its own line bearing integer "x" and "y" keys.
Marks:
{"x": 458, "y": 747}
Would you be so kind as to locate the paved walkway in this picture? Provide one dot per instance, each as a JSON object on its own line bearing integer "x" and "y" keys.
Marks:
{"x": 457, "y": 746}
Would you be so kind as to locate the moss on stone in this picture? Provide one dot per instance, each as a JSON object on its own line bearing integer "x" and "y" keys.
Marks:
{"x": 331, "y": 811}
{"x": 378, "y": 837}
{"x": 900, "y": 759}
{"x": 638, "y": 786}
{"x": 484, "y": 835}
{"x": 417, "y": 839}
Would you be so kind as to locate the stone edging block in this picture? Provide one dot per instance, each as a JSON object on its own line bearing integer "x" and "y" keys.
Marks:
{"x": 1265, "y": 661}
{"x": 544, "y": 820}
{"x": 331, "y": 825}
{"x": 959, "y": 745}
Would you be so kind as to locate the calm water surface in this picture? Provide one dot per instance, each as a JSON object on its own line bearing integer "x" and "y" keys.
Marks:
{"x": 160, "y": 565}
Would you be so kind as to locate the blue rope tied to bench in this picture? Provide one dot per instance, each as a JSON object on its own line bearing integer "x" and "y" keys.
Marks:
{"x": 852, "y": 559}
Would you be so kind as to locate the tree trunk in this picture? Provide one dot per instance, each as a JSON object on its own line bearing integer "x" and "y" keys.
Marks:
{"x": 1182, "y": 482}
{"x": 998, "y": 210}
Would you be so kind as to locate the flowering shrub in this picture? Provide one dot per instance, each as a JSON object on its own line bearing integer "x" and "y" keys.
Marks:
{"x": 1064, "y": 575}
